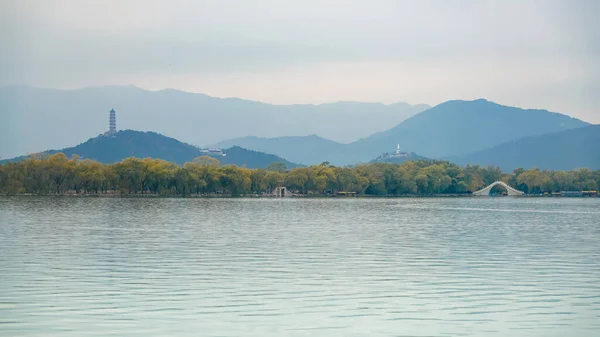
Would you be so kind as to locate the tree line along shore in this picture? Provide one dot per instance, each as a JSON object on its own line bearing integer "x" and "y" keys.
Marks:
{"x": 59, "y": 175}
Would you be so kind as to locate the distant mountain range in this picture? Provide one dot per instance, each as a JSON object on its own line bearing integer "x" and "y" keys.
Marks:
{"x": 565, "y": 150}
{"x": 462, "y": 127}
{"x": 34, "y": 119}
{"x": 113, "y": 148}
{"x": 453, "y": 128}
{"x": 476, "y": 132}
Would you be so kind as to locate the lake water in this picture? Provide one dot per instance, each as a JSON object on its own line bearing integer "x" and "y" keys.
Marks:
{"x": 299, "y": 267}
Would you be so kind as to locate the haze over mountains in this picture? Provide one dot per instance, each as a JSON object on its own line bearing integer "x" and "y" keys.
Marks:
{"x": 462, "y": 127}
{"x": 452, "y": 128}
{"x": 475, "y": 132}
{"x": 35, "y": 119}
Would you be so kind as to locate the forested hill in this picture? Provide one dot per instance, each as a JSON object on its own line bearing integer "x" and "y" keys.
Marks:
{"x": 566, "y": 150}
{"x": 398, "y": 160}
{"x": 128, "y": 143}
{"x": 110, "y": 149}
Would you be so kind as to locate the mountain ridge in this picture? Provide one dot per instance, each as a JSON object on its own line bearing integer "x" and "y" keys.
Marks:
{"x": 460, "y": 127}
{"x": 564, "y": 150}
{"x": 307, "y": 150}
{"x": 447, "y": 129}
{"x": 33, "y": 116}
{"x": 140, "y": 89}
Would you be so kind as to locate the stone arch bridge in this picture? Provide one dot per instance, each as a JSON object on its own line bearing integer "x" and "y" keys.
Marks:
{"x": 509, "y": 190}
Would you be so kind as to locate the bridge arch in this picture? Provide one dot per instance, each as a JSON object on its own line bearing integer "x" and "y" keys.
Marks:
{"x": 509, "y": 190}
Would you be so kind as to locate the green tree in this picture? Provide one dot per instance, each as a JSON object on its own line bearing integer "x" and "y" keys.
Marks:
{"x": 206, "y": 161}
{"x": 195, "y": 175}
{"x": 277, "y": 167}
{"x": 57, "y": 174}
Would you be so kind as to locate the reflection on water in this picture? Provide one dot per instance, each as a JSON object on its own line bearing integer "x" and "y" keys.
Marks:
{"x": 327, "y": 267}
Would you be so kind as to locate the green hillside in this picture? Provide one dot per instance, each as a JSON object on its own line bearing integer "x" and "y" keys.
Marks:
{"x": 398, "y": 160}
{"x": 113, "y": 148}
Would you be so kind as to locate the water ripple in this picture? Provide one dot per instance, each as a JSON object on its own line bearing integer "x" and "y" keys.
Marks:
{"x": 265, "y": 267}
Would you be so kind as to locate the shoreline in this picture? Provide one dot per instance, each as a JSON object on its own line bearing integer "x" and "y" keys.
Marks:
{"x": 256, "y": 196}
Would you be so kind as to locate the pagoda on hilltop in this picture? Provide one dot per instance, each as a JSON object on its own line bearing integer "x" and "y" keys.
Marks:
{"x": 112, "y": 123}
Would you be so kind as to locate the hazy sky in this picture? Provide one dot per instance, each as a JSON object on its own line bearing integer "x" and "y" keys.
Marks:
{"x": 533, "y": 54}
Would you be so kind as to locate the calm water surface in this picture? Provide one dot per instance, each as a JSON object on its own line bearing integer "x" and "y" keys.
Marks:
{"x": 326, "y": 267}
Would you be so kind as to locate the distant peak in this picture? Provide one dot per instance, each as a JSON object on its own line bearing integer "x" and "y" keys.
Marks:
{"x": 126, "y": 86}
{"x": 463, "y": 102}
{"x": 477, "y": 100}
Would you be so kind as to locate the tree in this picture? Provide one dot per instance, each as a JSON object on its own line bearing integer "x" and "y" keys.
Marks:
{"x": 433, "y": 179}
{"x": 258, "y": 181}
{"x": 61, "y": 170}
{"x": 235, "y": 180}
{"x": 277, "y": 167}
{"x": 492, "y": 174}
{"x": 375, "y": 178}
{"x": 407, "y": 183}
{"x": 297, "y": 179}
{"x": 195, "y": 175}
{"x": 57, "y": 174}
{"x": 272, "y": 180}
{"x": 206, "y": 161}
{"x": 532, "y": 180}
{"x": 90, "y": 176}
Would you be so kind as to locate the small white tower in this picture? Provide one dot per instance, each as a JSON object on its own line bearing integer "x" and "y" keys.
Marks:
{"x": 398, "y": 149}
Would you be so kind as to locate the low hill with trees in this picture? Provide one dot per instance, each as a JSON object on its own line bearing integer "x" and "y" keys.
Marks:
{"x": 112, "y": 148}
{"x": 389, "y": 158}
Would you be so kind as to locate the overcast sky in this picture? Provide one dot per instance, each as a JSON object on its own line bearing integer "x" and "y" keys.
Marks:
{"x": 532, "y": 54}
